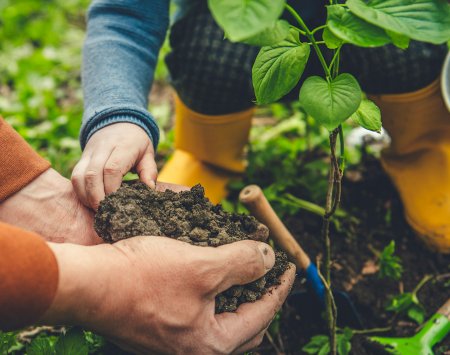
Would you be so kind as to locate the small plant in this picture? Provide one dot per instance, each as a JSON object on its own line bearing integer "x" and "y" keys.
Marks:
{"x": 390, "y": 264}
{"x": 407, "y": 303}
{"x": 8, "y": 342}
{"x": 320, "y": 344}
{"x": 335, "y": 97}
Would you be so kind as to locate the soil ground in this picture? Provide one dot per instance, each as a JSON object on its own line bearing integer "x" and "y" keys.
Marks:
{"x": 188, "y": 216}
{"x": 369, "y": 196}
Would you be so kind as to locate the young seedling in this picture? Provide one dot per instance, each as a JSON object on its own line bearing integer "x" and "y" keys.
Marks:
{"x": 408, "y": 303}
{"x": 390, "y": 265}
{"x": 335, "y": 97}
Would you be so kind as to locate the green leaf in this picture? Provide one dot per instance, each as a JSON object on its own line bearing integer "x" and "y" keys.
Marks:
{"x": 368, "y": 116}
{"x": 278, "y": 68}
{"x": 244, "y": 19}
{"x": 343, "y": 345}
{"x": 72, "y": 343}
{"x": 330, "y": 103}
{"x": 271, "y": 35}
{"x": 390, "y": 265}
{"x": 416, "y": 313}
{"x": 401, "y": 302}
{"x": 319, "y": 344}
{"x": 352, "y": 29}
{"x": 422, "y": 20}
{"x": 40, "y": 346}
{"x": 331, "y": 41}
{"x": 401, "y": 41}
{"x": 7, "y": 341}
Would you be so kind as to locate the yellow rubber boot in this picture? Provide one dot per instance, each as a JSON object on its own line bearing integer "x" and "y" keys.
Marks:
{"x": 208, "y": 150}
{"x": 418, "y": 160}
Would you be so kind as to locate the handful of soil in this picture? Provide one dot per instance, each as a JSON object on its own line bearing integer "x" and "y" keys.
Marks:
{"x": 188, "y": 216}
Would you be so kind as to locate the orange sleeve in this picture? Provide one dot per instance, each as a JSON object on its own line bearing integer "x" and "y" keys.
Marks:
{"x": 19, "y": 163}
{"x": 28, "y": 277}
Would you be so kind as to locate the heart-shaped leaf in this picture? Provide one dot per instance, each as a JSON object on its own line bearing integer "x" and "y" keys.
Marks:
{"x": 422, "y": 20}
{"x": 368, "y": 116}
{"x": 244, "y": 19}
{"x": 271, "y": 35}
{"x": 331, "y": 41}
{"x": 330, "y": 103}
{"x": 352, "y": 29}
{"x": 278, "y": 68}
{"x": 400, "y": 41}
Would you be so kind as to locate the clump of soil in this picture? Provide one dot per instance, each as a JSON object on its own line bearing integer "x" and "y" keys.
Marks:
{"x": 190, "y": 217}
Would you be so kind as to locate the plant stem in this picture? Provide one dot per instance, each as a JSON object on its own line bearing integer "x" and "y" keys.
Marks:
{"x": 342, "y": 148}
{"x": 422, "y": 283}
{"x": 373, "y": 330}
{"x": 334, "y": 61}
{"x": 332, "y": 201}
{"x": 318, "y": 29}
{"x": 311, "y": 39}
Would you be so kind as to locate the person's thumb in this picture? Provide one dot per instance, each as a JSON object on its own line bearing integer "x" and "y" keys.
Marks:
{"x": 243, "y": 262}
{"x": 147, "y": 170}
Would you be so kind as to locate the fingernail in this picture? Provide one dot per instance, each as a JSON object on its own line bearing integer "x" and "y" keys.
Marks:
{"x": 268, "y": 255}
{"x": 152, "y": 184}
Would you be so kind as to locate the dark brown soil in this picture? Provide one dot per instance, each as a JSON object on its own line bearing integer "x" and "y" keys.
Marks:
{"x": 190, "y": 217}
{"x": 377, "y": 218}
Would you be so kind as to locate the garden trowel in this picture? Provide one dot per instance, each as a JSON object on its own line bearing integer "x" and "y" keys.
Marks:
{"x": 432, "y": 332}
{"x": 307, "y": 303}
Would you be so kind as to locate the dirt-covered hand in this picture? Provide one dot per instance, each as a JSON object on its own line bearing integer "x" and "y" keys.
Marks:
{"x": 49, "y": 206}
{"x": 155, "y": 294}
{"x": 109, "y": 154}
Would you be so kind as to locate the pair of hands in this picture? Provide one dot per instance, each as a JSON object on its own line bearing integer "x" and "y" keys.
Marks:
{"x": 155, "y": 294}
{"x": 146, "y": 294}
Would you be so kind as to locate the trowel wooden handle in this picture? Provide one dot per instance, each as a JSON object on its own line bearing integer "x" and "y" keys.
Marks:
{"x": 445, "y": 309}
{"x": 253, "y": 198}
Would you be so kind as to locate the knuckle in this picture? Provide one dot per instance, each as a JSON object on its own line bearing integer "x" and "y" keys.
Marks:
{"x": 76, "y": 178}
{"x": 90, "y": 175}
{"x": 112, "y": 168}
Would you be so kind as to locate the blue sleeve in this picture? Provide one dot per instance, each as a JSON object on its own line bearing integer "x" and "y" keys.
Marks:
{"x": 119, "y": 59}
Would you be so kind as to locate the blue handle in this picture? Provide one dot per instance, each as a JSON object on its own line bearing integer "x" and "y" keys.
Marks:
{"x": 315, "y": 282}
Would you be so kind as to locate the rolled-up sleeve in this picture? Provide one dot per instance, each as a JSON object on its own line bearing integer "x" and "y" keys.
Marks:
{"x": 119, "y": 59}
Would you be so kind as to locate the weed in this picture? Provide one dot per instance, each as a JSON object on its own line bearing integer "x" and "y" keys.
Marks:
{"x": 390, "y": 265}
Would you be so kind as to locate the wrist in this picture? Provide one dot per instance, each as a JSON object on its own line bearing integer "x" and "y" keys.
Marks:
{"x": 113, "y": 115}
{"x": 48, "y": 206}
{"x": 84, "y": 280}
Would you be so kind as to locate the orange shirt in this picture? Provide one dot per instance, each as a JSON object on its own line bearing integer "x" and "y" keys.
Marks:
{"x": 28, "y": 268}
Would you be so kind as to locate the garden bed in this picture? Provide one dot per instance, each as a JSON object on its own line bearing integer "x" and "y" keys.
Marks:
{"x": 377, "y": 219}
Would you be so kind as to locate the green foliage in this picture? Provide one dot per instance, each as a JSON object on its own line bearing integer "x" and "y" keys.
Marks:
{"x": 368, "y": 116}
{"x": 244, "y": 19}
{"x": 348, "y": 27}
{"x": 72, "y": 343}
{"x": 8, "y": 341}
{"x": 41, "y": 346}
{"x": 422, "y": 20}
{"x": 278, "y": 68}
{"x": 390, "y": 265}
{"x": 320, "y": 345}
{"x": 401, "y": 41}
{"x": 407, "y": 303}
{"x": 271, "y": 35}
{"x": 330, "y": 102}
{"x": 331, "y": 41}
